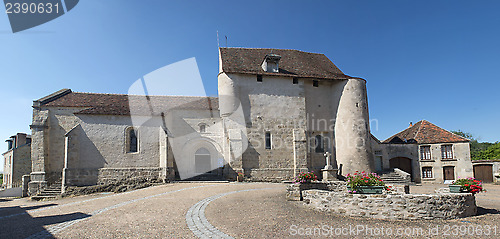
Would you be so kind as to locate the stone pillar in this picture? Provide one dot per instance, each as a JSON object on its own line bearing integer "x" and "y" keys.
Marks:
{"x": 38, "y": 151}
{"x": 299, "y": 151}
{"x": 26, "y": 180}
{"x": 352, "y": 130}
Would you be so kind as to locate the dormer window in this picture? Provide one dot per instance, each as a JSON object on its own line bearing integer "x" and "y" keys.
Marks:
{"x": 271, "y": 63}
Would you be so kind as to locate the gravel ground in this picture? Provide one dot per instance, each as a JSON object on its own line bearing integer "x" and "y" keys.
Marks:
{"x": 160, "y": 212}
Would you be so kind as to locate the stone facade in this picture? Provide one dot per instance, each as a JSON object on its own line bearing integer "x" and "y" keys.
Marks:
{"x": 17, "y": 160}
{"x": 269, "y": 124}
{"x": 426, "y": 152}
{"x": 393, "y": 206}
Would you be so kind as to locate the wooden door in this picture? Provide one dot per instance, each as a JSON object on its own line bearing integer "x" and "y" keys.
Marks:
{"x": 449, "y": 173}
{"x": 484, "y": 172}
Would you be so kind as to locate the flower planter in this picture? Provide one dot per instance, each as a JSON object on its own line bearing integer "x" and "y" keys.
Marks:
{"x": 367, "y": 189}
{"x": 456, "y": 189}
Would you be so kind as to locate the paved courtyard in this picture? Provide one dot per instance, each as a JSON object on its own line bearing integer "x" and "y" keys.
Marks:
{"x": 222, "y": 210}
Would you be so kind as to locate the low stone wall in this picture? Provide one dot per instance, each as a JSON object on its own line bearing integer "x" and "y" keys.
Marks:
{"x": 102, "y": 176}
{"x": 393, "y": 206}
{"x": 294, "y": 191}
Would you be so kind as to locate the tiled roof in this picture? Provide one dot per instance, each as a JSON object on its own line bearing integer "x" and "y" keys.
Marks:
{"x": 425, "y": 132}
{"x": 293, "y": 63}
{"x": 116, "y": 104}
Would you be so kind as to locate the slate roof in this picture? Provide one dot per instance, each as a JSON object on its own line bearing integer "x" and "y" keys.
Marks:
{"x": 424, "y": 132}
{"x": 293, "y": 63}
{"x": 120, "y": 104}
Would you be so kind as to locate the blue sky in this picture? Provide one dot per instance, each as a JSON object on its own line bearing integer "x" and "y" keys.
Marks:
{"x": 433, "y": 60}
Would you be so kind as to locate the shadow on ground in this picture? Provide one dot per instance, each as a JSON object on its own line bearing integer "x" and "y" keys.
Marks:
{"x": 16, "y": 222}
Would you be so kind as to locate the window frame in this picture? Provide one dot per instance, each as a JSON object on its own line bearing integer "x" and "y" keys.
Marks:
{"x": 319, "y": 147}
{"x": 428, "y": 154}
{"x": 427, "y": 172}
{"x": 447, "y": 154}
{"x": 268, "y": 140}
{"x": 128, "y": 140}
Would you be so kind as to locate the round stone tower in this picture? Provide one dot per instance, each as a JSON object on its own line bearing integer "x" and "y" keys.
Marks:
{"x": 352, "y": 129}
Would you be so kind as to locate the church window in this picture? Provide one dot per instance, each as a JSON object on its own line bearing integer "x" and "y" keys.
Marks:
{"x": 132, "y": 141}
{"x": 268, "y": 140}
{"x": 203, "y": 128}
{"x": 319, "y": 144}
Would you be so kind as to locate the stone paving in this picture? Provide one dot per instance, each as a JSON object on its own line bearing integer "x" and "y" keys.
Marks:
{"x": 224, "y": 210}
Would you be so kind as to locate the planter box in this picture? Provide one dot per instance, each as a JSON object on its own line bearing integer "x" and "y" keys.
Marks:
{"x": 368, "y": 189}
{"x": 456, "y": 189}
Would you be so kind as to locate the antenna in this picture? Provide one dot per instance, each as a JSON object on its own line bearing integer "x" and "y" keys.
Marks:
{"x": 226, "y": 41}
{"x": 218, "y": 46}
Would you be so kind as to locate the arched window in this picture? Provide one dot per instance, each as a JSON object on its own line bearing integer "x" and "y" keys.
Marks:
{"x": 132, "y": 141}
{"x": 203, "y": 128}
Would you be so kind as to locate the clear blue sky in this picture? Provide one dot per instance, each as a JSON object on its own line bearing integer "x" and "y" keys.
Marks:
{"x": 433, "y": 60}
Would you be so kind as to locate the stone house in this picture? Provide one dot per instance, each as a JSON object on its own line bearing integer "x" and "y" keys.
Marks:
{"x": 17, "y": 160}
{"x": 277, "y": 113}
{"x": 427, "y": 152}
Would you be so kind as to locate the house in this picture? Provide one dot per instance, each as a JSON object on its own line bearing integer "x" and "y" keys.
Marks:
{"x": 277, "y": 113}
{"x": 17, "y": 160}
{"x": 427, "y": 152}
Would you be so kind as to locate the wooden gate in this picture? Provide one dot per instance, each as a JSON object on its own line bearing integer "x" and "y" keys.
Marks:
{"x": 449, "y": 173}
{"x": 484, "y": 172}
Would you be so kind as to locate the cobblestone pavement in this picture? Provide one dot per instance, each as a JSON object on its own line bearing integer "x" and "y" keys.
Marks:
{"x": 228, "y": 210}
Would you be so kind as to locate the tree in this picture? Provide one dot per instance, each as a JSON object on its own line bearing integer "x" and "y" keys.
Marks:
{"x": 477, "y": 149}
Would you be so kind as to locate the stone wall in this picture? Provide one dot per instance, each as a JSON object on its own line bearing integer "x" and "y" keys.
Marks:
{"x": 102, "y": 176}
{"x": 393, "y": 206}
{"x": 294, "y": 191}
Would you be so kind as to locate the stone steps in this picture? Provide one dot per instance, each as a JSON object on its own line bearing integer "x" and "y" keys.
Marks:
{"x": 51, "y": 192}
{"x": 394, "y": 178}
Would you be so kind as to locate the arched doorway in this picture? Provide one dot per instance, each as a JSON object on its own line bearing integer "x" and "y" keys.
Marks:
{"x": 202, "y": 161}
{"x": 402, "y": 163}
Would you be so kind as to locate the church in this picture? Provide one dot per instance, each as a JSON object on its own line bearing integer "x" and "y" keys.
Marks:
{"x": 277, "y": 113}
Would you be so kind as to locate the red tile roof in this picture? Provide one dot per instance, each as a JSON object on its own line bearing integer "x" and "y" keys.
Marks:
{"x": 293, "y": 63}
{"x": 118, "y": 104}
{"x": 425, "y": 132}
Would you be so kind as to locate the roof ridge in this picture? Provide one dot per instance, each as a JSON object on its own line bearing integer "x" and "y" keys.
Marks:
{"x": 91, "y": 93}
{"x": 449, "y": 131}
{"x": 419, "y": 127}
{"x": 281, "y": 49}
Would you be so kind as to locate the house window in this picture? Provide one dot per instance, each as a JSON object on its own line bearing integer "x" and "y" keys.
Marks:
{"x": 425, "y": 152}
{"x": 427, "y": 172}
{"x": 319, "y": 144}
{"x": 446, "y": 152}
{"x": 203, "y": 128}
{"x": 259, "y": 78}
{"x": 295, "y": 81}
{"x": 132, "y": 141}
{"x": 315, "y": 83}
{"x": 268, "y": 140}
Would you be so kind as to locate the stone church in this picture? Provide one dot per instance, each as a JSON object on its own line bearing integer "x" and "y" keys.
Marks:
{"x": 277, "y": 113}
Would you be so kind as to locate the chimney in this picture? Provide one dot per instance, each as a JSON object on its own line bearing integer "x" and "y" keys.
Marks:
{"x": 271, "y": 63}
{"x": 411, "y": 124}
{"x": 20, "y": 139}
